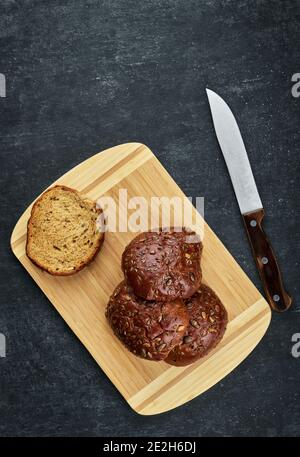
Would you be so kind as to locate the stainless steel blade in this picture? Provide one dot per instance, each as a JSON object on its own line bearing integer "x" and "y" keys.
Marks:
{"x": 234, "y": 152}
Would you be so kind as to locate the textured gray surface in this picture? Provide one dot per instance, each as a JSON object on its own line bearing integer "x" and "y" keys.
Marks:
{"x": 86, "y": 75}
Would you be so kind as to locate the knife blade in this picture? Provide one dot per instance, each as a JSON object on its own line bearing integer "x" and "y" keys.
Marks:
{"x": 237, "y": 161}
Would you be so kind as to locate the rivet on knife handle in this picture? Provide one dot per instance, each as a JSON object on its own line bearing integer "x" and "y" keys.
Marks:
{"x": 266, "y": 262}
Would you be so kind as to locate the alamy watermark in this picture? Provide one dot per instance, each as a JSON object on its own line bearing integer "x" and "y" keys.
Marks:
{"x": 296, "y": 87}
{"x": 296, "y": 347}
{"x": 2, "y": 85}
{"x": 139, "y": 214}
{"x": 2, "y": 345}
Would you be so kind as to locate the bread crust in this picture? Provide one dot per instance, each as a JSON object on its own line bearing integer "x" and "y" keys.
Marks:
{"x": 164, "y": 265}
{"x": 29, "y": 227}
{"x": 148, "y": 329}
{"x": 207, "y": 325}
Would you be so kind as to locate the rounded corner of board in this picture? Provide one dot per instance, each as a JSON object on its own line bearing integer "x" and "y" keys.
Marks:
{"x": 268, "y": 320}
{"x": 141, "y": 146}
{"x": 149, "y": 411}
{"x": 13, "y": 237}
{"x": 268, "y": 314}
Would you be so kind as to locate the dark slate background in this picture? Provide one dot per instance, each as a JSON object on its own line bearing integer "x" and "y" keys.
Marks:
{"x": 86, "y": 75}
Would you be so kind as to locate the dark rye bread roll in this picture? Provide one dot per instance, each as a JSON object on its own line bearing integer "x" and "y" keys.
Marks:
{"x": 207, "y": 324}
{"x": 163, "y": 265}
{"x": 148, "y": 329}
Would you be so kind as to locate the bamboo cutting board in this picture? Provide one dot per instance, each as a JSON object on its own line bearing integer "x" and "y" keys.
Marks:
{"x": 149, "y": 387}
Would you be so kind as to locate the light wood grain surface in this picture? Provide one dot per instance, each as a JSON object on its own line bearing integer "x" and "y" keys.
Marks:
{"x": 149, "y": 387}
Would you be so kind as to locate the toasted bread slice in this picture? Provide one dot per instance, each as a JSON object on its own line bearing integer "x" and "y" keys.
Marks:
{"x": 63, "y": 233}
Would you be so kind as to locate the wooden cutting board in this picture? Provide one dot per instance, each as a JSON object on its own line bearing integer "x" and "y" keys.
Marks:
{"x": 149, "y": 387}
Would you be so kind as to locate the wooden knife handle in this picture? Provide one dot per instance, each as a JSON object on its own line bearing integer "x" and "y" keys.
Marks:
{"x": 266, "y": 262}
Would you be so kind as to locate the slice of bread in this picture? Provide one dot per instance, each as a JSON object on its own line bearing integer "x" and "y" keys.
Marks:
{"x": 64, "y": 231}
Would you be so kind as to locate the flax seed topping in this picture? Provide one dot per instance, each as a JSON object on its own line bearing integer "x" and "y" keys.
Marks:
{"x": 149, "y": 329}
{"x": 164, "y": 265}
{"x": 203, "y": 333}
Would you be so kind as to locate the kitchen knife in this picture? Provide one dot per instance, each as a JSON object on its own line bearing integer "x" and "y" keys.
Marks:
{"x": 236, "y": 158}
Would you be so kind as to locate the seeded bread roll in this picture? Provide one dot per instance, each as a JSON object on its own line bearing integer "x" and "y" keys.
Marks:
{"x": 163, "y": 265}
{"x": 63, "y": 234}
{"x": 147, "y": 328}
{"x": 207, "y": 324}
